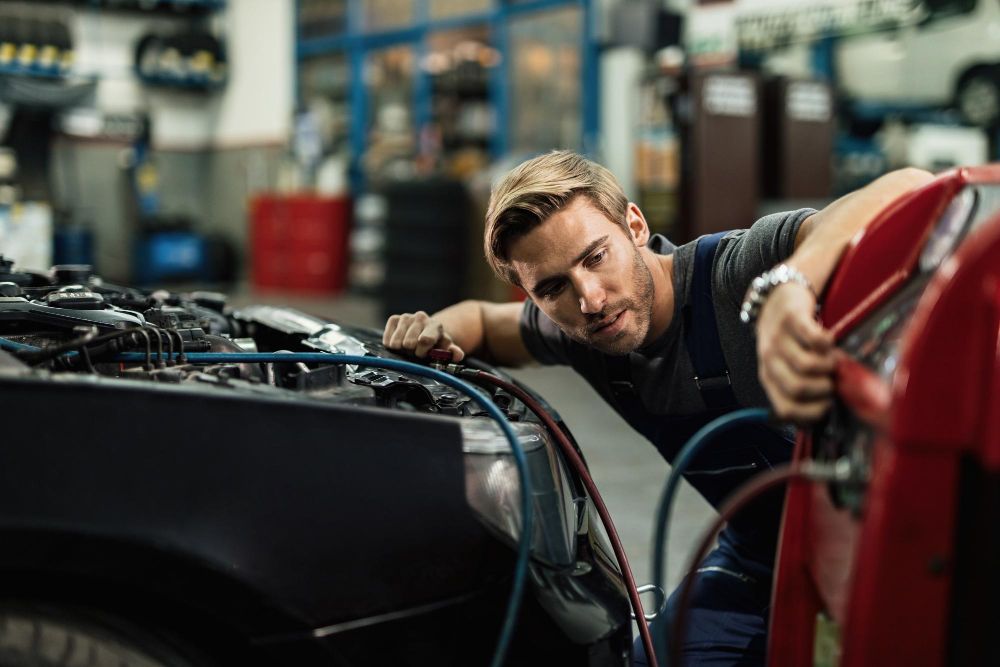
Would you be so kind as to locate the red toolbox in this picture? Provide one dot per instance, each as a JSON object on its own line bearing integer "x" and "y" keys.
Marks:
{"x": 299, "y": 242}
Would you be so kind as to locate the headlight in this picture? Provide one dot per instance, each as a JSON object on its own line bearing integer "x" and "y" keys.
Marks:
{"x": 493, "y": 488}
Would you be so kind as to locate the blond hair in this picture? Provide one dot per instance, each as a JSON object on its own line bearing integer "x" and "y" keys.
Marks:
{"x": 538, "y": 188}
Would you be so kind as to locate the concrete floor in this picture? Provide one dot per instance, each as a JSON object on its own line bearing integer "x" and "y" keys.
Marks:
{"x": 628, "y": 471}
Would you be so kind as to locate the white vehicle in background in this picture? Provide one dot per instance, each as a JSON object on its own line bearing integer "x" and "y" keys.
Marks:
{"x": 911, "y": 53}
{"x": 951, "y": 57}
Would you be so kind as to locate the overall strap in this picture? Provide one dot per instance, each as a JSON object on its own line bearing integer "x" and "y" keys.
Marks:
{"x": 704, "y": 346}
{"x": 626, "y": 399}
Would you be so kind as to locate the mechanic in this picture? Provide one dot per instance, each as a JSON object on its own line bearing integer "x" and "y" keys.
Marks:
{"x": 656, "y": 329}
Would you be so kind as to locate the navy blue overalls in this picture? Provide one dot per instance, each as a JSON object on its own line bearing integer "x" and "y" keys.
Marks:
{"x": 728, "y": 620}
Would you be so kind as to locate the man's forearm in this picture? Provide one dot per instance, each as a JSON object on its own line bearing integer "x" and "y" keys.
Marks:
{"x": 824, "y": 237}
{"x": 464, "y": 323}
{"x": 490, "y": 331}
{"x": 796, "y": 355}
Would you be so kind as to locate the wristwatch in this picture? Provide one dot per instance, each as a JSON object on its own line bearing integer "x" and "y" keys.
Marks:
{"x": 762, "y": 286}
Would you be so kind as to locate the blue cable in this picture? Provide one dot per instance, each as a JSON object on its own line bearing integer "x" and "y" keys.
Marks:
{"x": 698, "y": 441}
{"x": 16, "y": 347}
{"x": 521, "y": 566}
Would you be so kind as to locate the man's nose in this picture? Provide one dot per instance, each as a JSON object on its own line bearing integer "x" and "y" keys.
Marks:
{"x": 592, "y": 297}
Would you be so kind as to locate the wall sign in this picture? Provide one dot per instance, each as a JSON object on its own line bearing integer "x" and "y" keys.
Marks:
{"x": 729, "y": 96}
{"x": 808, "y": 101}
{"x": 782, "y": 25}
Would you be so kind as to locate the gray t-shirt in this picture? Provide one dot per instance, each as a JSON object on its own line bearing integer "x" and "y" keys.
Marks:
{"x": 661, "y": 372}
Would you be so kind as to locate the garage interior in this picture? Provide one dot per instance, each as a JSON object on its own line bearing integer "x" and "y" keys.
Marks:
{"x": 336, "y": 157}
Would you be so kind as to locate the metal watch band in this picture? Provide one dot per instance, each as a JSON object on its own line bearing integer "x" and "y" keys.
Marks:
{"x": 762, "y": 286}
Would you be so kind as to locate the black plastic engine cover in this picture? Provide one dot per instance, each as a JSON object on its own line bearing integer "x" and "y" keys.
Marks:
{"x": 17, "y": 314}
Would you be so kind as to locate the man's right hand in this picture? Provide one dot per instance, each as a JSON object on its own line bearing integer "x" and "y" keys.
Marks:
{"x": 417, "y": 333}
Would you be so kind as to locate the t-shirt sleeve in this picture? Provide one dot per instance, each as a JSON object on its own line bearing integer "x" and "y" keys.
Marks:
{"x": 745, "y": 254}
{"x": 544, "y": 339}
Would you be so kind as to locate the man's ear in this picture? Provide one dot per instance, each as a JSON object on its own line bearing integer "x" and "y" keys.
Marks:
{"x": 637, "y": 227}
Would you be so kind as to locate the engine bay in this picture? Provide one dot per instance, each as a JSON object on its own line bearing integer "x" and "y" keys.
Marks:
{"x": 71, "y": 308}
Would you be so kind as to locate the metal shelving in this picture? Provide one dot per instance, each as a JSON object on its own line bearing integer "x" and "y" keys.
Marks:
{"x": 357, "y": 41}
{"x": 172, "y": 7}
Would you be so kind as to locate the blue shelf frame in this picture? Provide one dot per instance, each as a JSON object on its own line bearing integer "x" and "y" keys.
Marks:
{"x": 356, "y": 43}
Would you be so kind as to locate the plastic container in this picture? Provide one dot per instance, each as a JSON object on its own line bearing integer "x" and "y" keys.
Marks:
{"x": 300, "y": 242}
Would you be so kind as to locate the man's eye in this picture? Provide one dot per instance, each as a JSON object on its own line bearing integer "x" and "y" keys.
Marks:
{"x": 552, "y": 291}
{"x": 598, "y": 258}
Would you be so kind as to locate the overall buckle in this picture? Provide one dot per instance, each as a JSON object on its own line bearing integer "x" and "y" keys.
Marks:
{"x": 713, "y": 382}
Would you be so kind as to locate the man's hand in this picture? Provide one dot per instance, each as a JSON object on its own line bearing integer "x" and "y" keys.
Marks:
{"x": 796, "y": 356}
{"x": 417, "y": 333}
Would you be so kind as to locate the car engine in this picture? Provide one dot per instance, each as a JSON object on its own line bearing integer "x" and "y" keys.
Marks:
{"x": 69, "y": 304}
{"x": 283, "y": 463}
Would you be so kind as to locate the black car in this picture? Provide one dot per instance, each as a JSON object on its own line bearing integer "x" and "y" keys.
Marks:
{"x": 167, "y": 513}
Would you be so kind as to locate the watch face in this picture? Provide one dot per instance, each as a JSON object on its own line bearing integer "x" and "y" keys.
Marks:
{"x": 948, "y": 231}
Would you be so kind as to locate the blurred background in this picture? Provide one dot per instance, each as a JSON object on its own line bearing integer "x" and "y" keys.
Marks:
{"x": 345, "y": 148}
{"x": 338, "y": 154}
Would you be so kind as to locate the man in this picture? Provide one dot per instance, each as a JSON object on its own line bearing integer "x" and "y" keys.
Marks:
{"x": 656, "y": 330}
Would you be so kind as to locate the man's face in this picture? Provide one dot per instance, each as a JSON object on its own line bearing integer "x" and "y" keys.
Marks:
{"x": 587, "y": 275}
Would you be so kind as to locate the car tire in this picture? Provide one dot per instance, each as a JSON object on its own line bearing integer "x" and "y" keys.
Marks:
{"x": 54, "y": 637}
{"x": 978, "y": 97}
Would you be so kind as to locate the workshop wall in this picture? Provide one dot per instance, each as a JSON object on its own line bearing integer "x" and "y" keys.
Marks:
{"x": 233, "y": 174}
{"x": 255, "y": 115}
{"x": 89, "y": 182}
{"x": 212, "y": 148}
{"x": 254, "y": 107}
{"x": 325, "y": 100}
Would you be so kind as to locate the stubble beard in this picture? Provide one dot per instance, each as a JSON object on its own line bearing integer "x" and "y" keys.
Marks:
{"x": 640, "y": 306}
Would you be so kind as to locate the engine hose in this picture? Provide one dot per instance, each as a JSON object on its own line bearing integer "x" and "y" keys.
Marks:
{"x": 739, "y": 499}
{"x": 34, "y": 354}
{"x": 146, "y": 365}
{"x": 170, "y": 347}
{"x": 155, "y": 331}
{"x": 181, "y": 359}
{"x": 581, "y": 469}
{"x": 521, "y": 566}
{"x": 86, "y": 361}
{"x": 679, "y": 466}
{"x": 12, "y": 346}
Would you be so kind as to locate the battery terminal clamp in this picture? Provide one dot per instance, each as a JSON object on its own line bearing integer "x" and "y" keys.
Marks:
{"x": 441, "y": 360}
